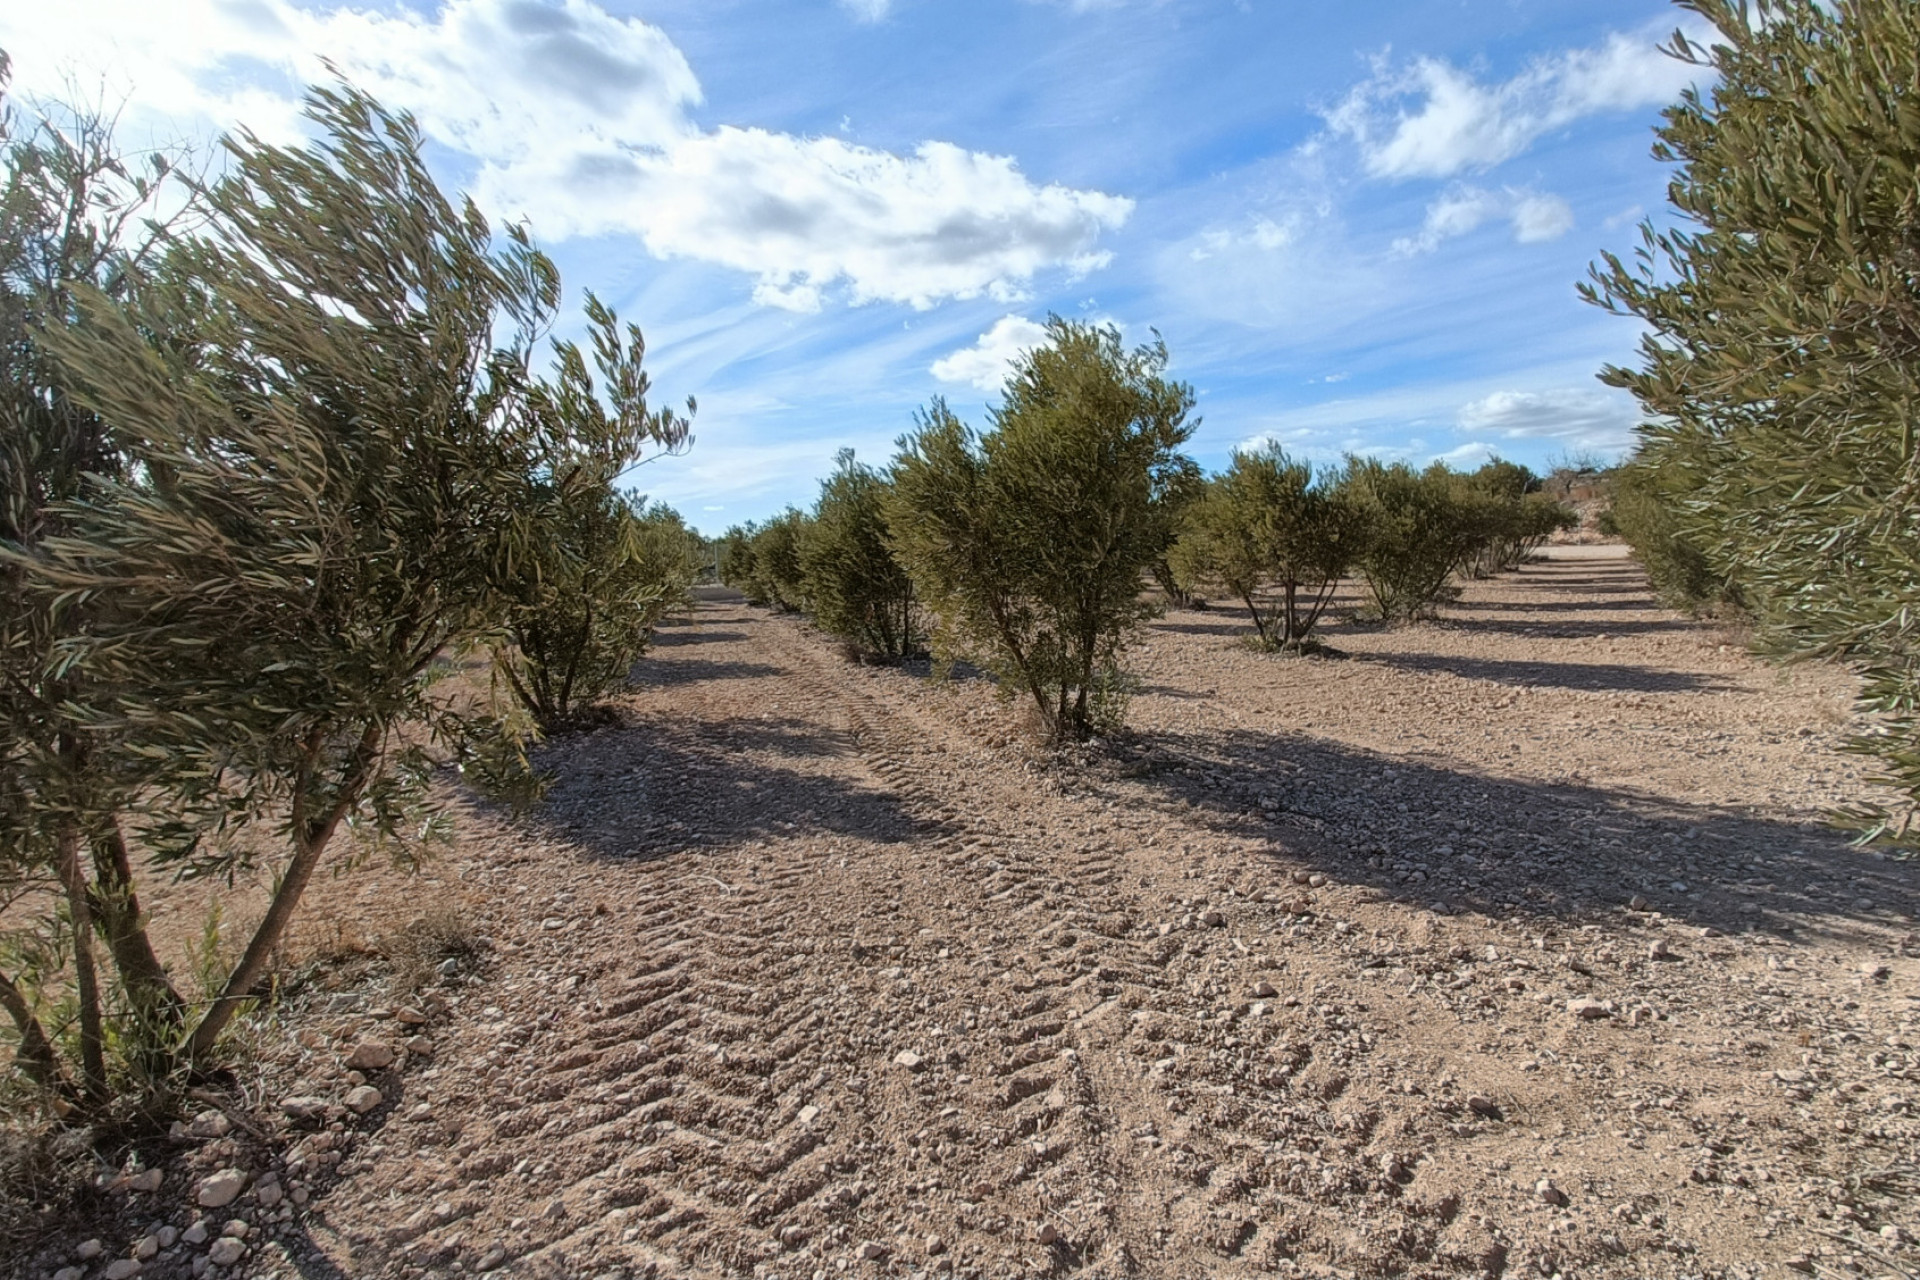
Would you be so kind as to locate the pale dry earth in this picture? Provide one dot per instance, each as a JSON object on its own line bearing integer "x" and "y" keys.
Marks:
{"x": 814, "y": 970}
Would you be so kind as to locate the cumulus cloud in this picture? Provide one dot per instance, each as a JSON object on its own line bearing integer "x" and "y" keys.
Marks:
{"x": 1534, "y": 217}
{"x": 987, "y": 362}
{"x": 867, "y": 10}
{"x": 582, "y": 121}
{"x": 1587, "y": 418}
{"x": 1430, "y": 119}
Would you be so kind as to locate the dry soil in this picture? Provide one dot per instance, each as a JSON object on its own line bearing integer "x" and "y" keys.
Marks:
{"x": 1508, "y": 945}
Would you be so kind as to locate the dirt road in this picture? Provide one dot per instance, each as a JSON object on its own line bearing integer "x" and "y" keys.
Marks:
{"x": 1506, "y": 946}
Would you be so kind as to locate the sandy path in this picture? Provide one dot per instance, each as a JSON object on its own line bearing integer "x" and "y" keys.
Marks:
{"x": 808, "y": 969}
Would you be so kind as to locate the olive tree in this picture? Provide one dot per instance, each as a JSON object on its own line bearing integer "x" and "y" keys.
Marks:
{"x": 593, "y": 577}
{"x": 1029, "y": 541}
{"x": 1278, "y": 539}
{"x": 1777, "y": 366}
{"x": 1417, "y": 527}
{"x": 74, "y": 214}
{"x": 320, "y": 401}
{"x": 857, "y": 588}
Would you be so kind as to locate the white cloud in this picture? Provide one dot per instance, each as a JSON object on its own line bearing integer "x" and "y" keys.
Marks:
{"x": 1431, "y": 119}
{"x": 1589, "y": 418}
{"x": 868, "y": 10}
{"x": 1463, "y": 209}
{"x": 581, "y": 121}
{"x": 987, "y": 362}
{"x": 1541, "y": 217}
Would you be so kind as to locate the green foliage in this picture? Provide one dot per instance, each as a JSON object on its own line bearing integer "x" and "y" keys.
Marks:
{"x": 1645, "y": 513}
{"x": 1029, "y": 542}
{"x": 262, "y": 486}
{"x": 1418, "y": 526}
{"x": 1778, "y": 362}
{"x": 1276, "y": 538}
{"x": 858, "y": 590}
{"x": 74, "y": 217}
{"x": 1510, "y": 516}
{"x": 763, "y": 561}
{"x": 594, "y": 571}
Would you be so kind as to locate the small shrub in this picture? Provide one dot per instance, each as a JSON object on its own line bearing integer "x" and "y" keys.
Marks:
{"x": 857, "y": 589}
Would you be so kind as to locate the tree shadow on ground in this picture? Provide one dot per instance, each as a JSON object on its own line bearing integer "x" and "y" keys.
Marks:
{"x": 1440, "y": 837}
{"x": 1598, "y": 676}
{"x": 659, "y": 786}
{"x": 1565, "y": 628}
{"x": 682, "y": 671}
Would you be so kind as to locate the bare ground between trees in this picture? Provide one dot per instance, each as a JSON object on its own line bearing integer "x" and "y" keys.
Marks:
{"x": 808, "y": 968}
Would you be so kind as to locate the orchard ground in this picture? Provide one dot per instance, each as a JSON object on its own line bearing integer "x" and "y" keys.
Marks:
{"x": 1510, "y": 945}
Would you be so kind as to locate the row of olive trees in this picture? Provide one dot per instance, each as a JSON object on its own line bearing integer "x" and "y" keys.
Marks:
{"x": 1024, "y": 548}
{"x": 1278, "y": 537}
{"x": 266, "y": 470}
{"x": 1779, "y": 474}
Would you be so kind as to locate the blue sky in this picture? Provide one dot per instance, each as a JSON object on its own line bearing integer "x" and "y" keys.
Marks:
{"x": 1358, "y": 227}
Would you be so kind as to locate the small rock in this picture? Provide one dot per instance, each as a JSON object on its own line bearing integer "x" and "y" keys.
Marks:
{"x": 907, "y": 1058}
{"x": 217, "y": 1191}
{"x": 210, "y": 1124}
{"x": 70, "y": 1273}
{"x": 1548, "y": 1193}
{"x": 1658, "y": 950}
{"x": 363, "y": 1098}
{"x": 147, "y": 1180}
{"x": 1317, "y": 881}
{"x": 370, "y": 1055}
{"x": 146, "y": 1247}
{"x": 304, "y": 1106}
{"x": 1481, "y": 1104}
{"x": 226, "y": 1251}
{"x": 123, "y": 1269}
{"x": 1790, "y": 1075}
{"x": 1799, "y": 1262}
{"x": 1048, "y": 1234}
{"x": 1637, "y": 903}
{"x": 89, "y": 1250}
{"x": 420, "y": 1046}
{"x": 935, "y": 1246}
{"x": 196, "y": 1234}
{"x": 412, "y": 1017}
{"x": 1678, "y": 886}
{"x": 1264, "y": 990}
{"x": 1301, "y": 877}
{"x": 167, "y": 1235}
{"x": 1874, "y": 971}
{"x": 268, "y": 1194}
{"x": 1213, "y": 919}
{"x": 809, "y": 1113}
{"x": 873, "y": 1251}
{"x": 492, "y": 1259}
{"x": 449, "y": 968}
{"x": 1587, "y": 1008}
{"x": 236, "y": 1229}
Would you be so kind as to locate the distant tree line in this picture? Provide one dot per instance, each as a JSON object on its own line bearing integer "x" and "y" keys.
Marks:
{"x": 273, "y": 470}
{"x": 1027, "y": 548}
{"x": 1777, "y": 476}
